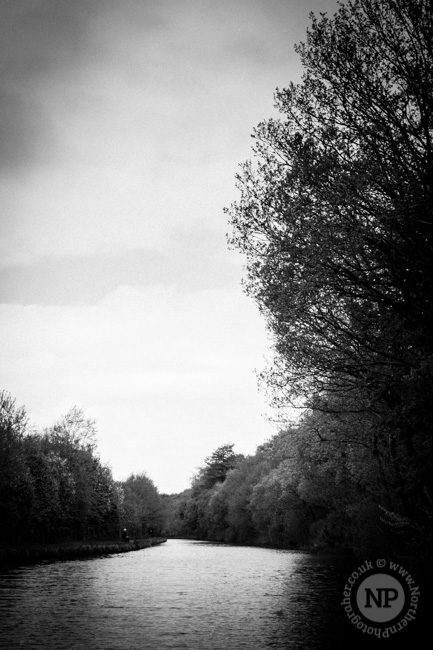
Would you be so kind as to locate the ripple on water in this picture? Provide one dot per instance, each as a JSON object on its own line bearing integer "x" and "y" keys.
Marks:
{"x": 182, "y": 594}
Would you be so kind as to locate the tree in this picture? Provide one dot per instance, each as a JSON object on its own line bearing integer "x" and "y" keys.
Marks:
{"x": 48, "y": 515}
{"x": 15, "y": 485}
{"x": 74, "y": 430}
{"x": 200, "y": 511}
{"x": 70, "y": 446}
{"x": 142, "y": 507}
{"x": 237, "y": 489}
{"x": 217, "y": 465}
{"x": 52, "y": 484}
{"x": 335, "y": 220}
{"x": 175, "y": 507}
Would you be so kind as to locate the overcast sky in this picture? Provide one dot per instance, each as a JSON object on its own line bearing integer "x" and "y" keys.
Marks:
{"x": 122, "y": 124}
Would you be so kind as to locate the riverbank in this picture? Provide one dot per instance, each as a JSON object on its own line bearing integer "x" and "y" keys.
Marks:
{"x": 29, "y": 553}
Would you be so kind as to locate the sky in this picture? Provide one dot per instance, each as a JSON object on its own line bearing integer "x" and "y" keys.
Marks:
{"x": 122, "y": 127}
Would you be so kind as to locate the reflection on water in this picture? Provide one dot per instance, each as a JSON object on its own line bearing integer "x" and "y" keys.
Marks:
{"x": 182, "y": 594}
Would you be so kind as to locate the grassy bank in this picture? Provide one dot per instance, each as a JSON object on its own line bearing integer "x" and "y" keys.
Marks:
{"x": 29, "y": 553}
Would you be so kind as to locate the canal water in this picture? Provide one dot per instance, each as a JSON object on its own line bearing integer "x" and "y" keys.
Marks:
{"x": 182, "y": 594}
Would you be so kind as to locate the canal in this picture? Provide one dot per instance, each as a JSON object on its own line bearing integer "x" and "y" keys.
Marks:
{"x": 182, "y": 594}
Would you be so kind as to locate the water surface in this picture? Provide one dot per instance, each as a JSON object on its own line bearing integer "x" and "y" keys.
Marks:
{"x": 181, "y": 594}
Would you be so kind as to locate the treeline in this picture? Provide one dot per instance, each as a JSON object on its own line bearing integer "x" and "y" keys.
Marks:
{"x": 320, "y": 484}
{"x": 53, "y": 486}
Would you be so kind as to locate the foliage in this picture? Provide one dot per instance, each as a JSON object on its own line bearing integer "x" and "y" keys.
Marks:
{"x": 217, "y": 465}
{"x": 335, "y": 219}
{"x": 335, "y": 222}
{"x": 321, "y": 483}
{"x": 175, "y": 506}
{"x": 14, "y": 475}
{"x": 141, "y": 506}
{"x": 54, "y": 487}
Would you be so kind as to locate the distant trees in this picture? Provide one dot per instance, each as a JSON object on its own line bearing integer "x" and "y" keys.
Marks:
{"x": 200, "y": 511}
{"x": 298, "y": 490}
{"x": 142, "y": 508}
{"x": 242, "y": 508}
{"x": 53, "y": 486}
{"x": 335, "y": 221}
{"x": 87, "y": 497}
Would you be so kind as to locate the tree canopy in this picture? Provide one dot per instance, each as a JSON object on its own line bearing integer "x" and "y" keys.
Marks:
{"x": 335, "y": 222}
{"x": 53, "y": 486}
{"x": 335, "y": 219}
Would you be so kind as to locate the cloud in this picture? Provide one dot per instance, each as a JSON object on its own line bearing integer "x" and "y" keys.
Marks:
{"x": 191, "y": 260}
{"x": 122, "y": 120}
{"x": 40, "y": 40}
{"x": 121, "y": 128}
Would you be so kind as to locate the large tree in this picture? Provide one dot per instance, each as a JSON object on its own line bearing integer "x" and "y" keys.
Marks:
{"x": 335, "y": 220}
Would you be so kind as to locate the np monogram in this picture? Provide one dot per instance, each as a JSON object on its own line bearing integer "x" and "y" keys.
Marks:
{"x": 385, "y": 595}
